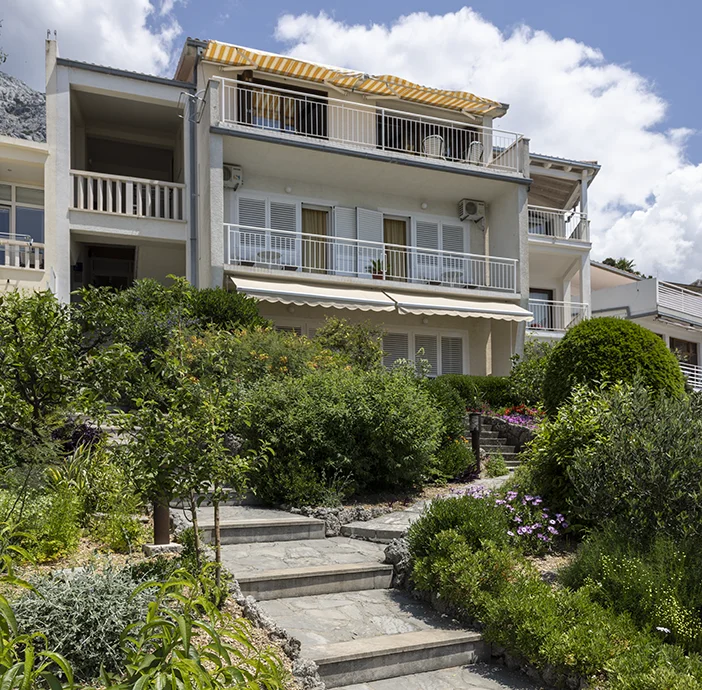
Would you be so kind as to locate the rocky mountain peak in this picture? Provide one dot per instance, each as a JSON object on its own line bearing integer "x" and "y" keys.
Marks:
{"x": 22, "y": 110}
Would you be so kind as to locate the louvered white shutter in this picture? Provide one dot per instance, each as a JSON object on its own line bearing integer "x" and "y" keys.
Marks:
{"x": 284, "y": 218}
{"x": 369, "y": 225}
{"x": 251, "y": 213}
{"x": 345, "y": 251}
{"x": 396, "y": 346}
{"x": 451, "y": 355}
{"x": 427, "y": 262}
{"x": 454, "y": 266}
{"x": 431, "y": 351}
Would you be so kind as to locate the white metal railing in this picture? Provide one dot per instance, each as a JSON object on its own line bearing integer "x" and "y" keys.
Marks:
{"x": 551, "y": 315}
{"x": 20, "y": 251}
{"x": 679, "y": 299}
{"x": 359, "y": 125}
{"x": 127, "y": 196}
{"x": 273, "y": 250}
{"x": 552, "y": 222}
{"x": 693, "y": 374}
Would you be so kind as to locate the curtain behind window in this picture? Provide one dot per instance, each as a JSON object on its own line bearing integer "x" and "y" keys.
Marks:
{"x": 395, "y": 232}
{"x": 314, "y": 239}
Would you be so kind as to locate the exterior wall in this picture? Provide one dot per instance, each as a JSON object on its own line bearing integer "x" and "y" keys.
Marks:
{"x": 158, "y": 261}
{"x": 632, "y": 299}
{"x": 481, "y": 353}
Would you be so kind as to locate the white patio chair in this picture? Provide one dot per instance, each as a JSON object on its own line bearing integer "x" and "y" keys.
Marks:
{"x": 475, "y": 152}
{"x": 433, "y": 146}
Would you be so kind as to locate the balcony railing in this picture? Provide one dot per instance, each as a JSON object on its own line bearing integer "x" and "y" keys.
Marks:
{"x": 278, "y": 250}
{"x": 550, "y": 315}
{"x": 564, "y": 225}
{"x": 127, "y": 196}
{"x": 20, "y": 251}
{"x": 693, "y": 374}
{"x": 680, "y": 300}
{"x": 358, "y": 125}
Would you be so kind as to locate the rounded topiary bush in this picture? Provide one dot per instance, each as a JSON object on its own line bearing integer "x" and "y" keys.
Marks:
{"x": 606, "y": 350}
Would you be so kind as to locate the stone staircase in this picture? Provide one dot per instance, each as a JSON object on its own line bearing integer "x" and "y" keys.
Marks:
{"x": 491, "y": 442}
{"x": 334, "y": 595}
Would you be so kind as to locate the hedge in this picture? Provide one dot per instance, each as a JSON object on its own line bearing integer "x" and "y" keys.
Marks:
{"x": 478, "y": 390}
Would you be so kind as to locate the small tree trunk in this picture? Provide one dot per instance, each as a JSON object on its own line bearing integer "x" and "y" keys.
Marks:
{"x": 217, "y": 542}
{"x": 196, "y": 529}
{"x": 162, "y": 521}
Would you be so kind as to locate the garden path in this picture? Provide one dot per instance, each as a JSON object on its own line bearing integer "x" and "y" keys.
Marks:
{"x": 334, "y": 595}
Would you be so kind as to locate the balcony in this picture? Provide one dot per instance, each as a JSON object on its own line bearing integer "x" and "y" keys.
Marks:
{"x": 269, "y": 251}
{"x": 558, "y": 224}
{"x": 127, "y": 196}
{"x": 20, "y": 251}
{"x": 554, "y": 316}
{"x": 678, "y": 299}
{"x": 693, "y": 374}
{"x": 343, "y": 124}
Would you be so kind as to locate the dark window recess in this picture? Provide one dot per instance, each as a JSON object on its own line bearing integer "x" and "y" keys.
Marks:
{"x": 110, "y": 266}
{"x": 113, "y": 157}
{"x": 544, "y": 314}
{"x": 685, "y": 351}
{"x": 262, "y": 104}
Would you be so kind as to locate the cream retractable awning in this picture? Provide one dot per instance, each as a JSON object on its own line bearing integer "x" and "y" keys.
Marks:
{"x": 314, "y": 295}
{"x": 385, "y": 85}
{"x": 427, "y": 305}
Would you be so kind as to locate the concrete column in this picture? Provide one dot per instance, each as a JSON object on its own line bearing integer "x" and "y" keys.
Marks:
{"x": 585, "y": 282}
{"x": 57, "y": 180}
{"x": 478, "y": 347}
{"x": 523, "y": 268}
{"x": 504, "y": 335}
{"x": 583, "y": 191}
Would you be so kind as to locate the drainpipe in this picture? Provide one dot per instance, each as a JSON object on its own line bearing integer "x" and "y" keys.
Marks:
{"x": 192, "y": 124}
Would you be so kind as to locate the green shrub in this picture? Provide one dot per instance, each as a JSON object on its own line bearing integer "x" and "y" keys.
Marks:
{"x": 360, "y": 343}
{"x": 48, "y": 521}
{"x": 658, "y": 587}
{"x": 377, "y": 429}
{"x": 451, "y": 406}
{"x": 626, "y": 456}
{"x": 83, "y": 613}
{"x": 120, "y": 531}
{"x": 452, "y": 460}
{"x": 526, "y": 380}
{"x": 607, "y": 350}
{"x": 477, "y": 391}
{"x": 566, "y": 633}
{"x": 225, "y": 309}
{"x": 495, "y": 466}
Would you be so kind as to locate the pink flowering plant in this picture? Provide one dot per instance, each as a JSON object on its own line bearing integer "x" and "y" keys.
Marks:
{"x": 530, "y": 525}
{"x": 521, "y": 415}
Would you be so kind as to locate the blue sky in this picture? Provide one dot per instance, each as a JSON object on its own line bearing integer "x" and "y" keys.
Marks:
{"x": 659, "y": 40}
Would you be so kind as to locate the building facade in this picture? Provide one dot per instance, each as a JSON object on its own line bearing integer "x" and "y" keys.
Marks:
{"x": 318, "y": 191}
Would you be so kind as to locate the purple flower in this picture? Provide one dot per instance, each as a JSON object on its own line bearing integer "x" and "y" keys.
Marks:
{"x": 510, "y": 532}
{"x": 552, "y": 530}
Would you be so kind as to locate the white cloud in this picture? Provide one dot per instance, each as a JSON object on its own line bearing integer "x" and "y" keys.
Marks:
{"x": 131, "y": 34}
{"x": 566, "y": 97}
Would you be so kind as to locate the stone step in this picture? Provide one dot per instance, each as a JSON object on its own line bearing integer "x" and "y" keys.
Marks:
{"x": 480, "y": 676}
{"x": 313, "y": 580}
{"x": 394, "y": 656}
{"x": 502, "y": 450}
{"x": 274, "y": 529}
{"x": 358, "y": 637}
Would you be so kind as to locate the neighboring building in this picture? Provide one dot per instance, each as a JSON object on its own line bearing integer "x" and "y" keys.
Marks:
{"x": 671, "y": 310}
{"x": 319, "y": 191}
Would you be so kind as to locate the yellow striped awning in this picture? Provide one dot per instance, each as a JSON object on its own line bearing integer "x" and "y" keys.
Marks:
{"x": 383, "y": 85}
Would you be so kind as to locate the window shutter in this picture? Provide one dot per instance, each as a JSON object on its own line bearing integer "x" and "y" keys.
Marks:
{"x": 431, "y": 351}
{"x": 369, "y": 225}
{"x": 396, "y": 346}
{"x": 452, "y": 237}
{"x": 427, "y": 262}
{"x": 284, "y": 217}
{"x": 345, "y": 252}
{"x": 252, "y": 212}
{"x": 451, "y": 355}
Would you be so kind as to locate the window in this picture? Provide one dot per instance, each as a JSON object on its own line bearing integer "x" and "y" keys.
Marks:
{"x": 396, "y": 346}
{"x": 451, "y": 355}
{"x": 21, "y": 220}
{"x": 425, "y": 347}
{"x": 685, "y": 351}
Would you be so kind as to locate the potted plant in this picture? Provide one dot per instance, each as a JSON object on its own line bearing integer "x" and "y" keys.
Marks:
{"x": 376, "y": 269}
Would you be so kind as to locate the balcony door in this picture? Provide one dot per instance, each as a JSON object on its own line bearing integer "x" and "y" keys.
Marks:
{"x": 686, "y": 351}
{"x": 395, "y": 236}
{"x": 315, "y": 239}
{"x": 541, "y": 305}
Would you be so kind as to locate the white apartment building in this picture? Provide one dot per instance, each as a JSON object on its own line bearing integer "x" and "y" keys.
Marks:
{"x": 319, "y": 191}
{"x": 671, "y": 310}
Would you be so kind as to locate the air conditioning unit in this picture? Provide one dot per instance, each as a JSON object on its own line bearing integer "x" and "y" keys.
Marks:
{"x": 471, "y": 210}
{"x": 233, "y": 176}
